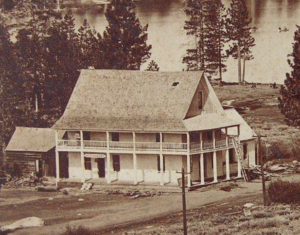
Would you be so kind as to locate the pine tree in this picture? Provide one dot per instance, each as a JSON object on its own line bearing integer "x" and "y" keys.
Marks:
{"x": 11, "y": 89}
{"x": 290, "y": 92}
{"x": 207, "y": 24}
{"x": 239, "y": 33}
{"x": 152, "y": 66}
{"x": 125, "y": 39}
{"x": 216, "y": 37}
{"x": 90, "y": 47}
{"x": 194, "y": 26}
{"x": 63, "y": 61}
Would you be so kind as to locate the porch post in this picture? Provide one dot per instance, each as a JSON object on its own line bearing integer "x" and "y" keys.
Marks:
{"x": 227, "y": 139}
{"x": 201, "y": 141}
{"x": 134, "y": 161}
{"x": 214, "y": 139}
{"x": 188, "y": 162}
{"x": 161, "y": 160}
{"x": 202, "y": 168}
{"x": 239, "y": 167}
{"x": 108, "y": 158}
{"x": 215, "y": 166}
{"x": 82, "y": 158}
{"x": 227, "y": 165}
{"x": 56, "y": 158}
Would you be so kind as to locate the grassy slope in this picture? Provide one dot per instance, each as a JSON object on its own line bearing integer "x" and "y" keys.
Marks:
{"x": 259, "y": 107}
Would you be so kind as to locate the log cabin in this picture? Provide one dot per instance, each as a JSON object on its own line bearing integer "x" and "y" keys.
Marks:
{"x": 33, "y": 150}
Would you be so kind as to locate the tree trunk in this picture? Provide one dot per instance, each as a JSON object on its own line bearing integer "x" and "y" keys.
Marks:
{"x": 244, "y": 69}
{"x": 239, "y": 66}
{"x": 4, "y": 158}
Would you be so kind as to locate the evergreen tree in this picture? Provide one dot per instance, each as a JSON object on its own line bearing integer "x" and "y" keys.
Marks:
{"x": 125, "y": 39}
{"x": 216, "y": 37}
{"x": 194, "y": 58}
{"x": 207, "y": 24}
{"x": 11, "y": 89}
{"x": 63, "y": 61}
{"x": 290, "y": 92}
{"x": 152, "y": 66}
{"x": 90, "y": 47}
{"x": 239, "y": 33}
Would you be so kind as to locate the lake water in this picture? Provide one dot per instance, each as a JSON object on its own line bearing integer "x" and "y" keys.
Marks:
{"x": 169, "y": 41}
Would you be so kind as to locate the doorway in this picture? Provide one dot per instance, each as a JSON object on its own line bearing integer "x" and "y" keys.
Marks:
{"x": 101, "y": 167}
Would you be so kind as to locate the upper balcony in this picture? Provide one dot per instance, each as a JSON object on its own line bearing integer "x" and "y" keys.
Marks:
{"x": 93, "y": 145}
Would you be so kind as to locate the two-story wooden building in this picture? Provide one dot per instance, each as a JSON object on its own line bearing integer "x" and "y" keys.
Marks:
{"x": 143, "y": 127}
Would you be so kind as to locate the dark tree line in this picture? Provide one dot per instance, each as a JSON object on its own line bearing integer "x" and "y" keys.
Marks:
{"x": 40, "y": 69}
{"x": 290, "y": 92}
{"x": 214, "y": 28}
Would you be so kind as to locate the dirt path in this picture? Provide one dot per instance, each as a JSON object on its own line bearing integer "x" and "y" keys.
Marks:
{"x": 144, "y": 209}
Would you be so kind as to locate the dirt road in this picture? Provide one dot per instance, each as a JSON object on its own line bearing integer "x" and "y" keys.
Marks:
{"x": 104, "y": 215}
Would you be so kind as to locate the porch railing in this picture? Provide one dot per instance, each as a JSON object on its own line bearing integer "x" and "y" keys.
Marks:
{"x": 141, "y": 146}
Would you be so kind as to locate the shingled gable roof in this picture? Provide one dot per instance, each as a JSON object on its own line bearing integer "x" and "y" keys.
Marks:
{"x": 30, "y": 139}
{"x": 114, "y": 100}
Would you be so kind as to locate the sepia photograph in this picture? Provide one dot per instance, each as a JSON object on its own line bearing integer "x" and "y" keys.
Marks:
{"x": 149, "y": 117}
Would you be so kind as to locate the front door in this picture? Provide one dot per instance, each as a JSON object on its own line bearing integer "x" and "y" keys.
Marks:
{"x": 101, "y": 167}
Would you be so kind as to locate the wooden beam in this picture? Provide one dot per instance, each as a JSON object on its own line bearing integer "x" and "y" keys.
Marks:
{"x": 134, "y": 159}
{"x": 56, "y": 158}
{"x": 108, "y": 159}
{"x": 161, "y": 159}
{"x": 82, "y": 158}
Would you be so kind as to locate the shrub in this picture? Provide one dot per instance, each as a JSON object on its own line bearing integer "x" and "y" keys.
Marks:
{"x": 284, "y": 192}
{"x": 77, "y": 231}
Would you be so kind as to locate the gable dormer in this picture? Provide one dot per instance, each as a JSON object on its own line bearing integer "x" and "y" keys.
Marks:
{"x": 204, "y": 100}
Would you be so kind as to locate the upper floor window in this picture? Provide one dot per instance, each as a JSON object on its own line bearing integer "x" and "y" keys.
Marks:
{"x": 200, "y": 99}
{"x": 115, "y": 136}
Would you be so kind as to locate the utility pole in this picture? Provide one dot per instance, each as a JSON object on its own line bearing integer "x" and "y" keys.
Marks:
{"x": 260, "y": 157}
{"x": 183, "y": 202}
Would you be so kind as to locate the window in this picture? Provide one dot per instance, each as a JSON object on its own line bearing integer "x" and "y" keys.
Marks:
{"x": 115, "y": 136}
{"x": 87, "y": 163}
{"x": 158, "y": 164}
{"x": 200, "y": 100}
{"x": 245, "y": 151}
{"x": 86, "y": 135}
{"x": 157, "y": 137}
{"x": 212, "y": 161}
{"x": 116, "y": 162}
{"x": 209, "y": 135}
{"x": 231, "y": 156}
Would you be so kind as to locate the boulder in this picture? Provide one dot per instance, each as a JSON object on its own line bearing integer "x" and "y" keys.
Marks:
{"x": 24, "y": 223}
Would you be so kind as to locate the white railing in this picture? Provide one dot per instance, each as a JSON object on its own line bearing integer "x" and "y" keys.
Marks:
{"x": 120, "y": 145}
{"x": 147, "y": 146}
{"x": 208, "y": 145}
{"x": 195, "y": 147}
{"x": 174, "y": 146}
{"x": 94, "y": 144}
{"x": 69, "y": 143}
{"x": 142, "y": 146}
{"x": 221, "y": 143}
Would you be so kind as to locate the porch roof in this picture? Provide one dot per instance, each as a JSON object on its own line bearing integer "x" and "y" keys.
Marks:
{"x": 209, "y": 122}
{"x": 246, "y": 132}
